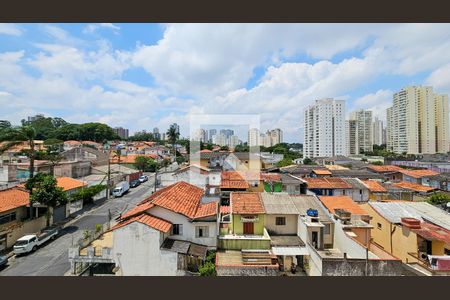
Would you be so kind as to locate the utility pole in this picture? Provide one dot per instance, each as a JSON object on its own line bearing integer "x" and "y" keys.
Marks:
{"x": 109, "y": 174}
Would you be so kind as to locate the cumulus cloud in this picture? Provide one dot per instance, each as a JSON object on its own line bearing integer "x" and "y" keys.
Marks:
{"x": 94, "y": 27}
{"x": 10, "y": 29}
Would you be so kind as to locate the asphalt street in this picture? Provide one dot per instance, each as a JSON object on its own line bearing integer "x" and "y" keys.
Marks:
{"x": 52, "y": 259}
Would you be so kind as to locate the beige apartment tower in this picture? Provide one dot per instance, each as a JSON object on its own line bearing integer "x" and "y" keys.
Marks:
{"x": 417, "y": 122}
{"x": 364, "y": 131}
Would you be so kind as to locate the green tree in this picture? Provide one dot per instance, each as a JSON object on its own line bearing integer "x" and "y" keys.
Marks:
{"x": 45, "y": 192}
{"x": 145, "y": 164}
{"x": 172, "y": 136}
{"x": 308, "y": 161}
{"x": 439, "y": 198}
{"x": 285, "y": 162}
{"x": 87, "y": 194}
{"x": 377, "y": 163}
{"x": 225, "y": 148}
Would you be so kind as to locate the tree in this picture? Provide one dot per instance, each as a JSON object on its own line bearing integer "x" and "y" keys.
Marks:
{"x": 145, "y": 164}
{"x": 284, "y": 162}
{"x": 87, "y": 194}
{"x": 377, "y": 163}
{"x": 225, "y": 148}
{"x": 45, "y": 192}
{"x": 308, "y": 161}
{"x": 241, "y": 148}
{"x": 439, "y": 198}
{"x": 172, "y": 136}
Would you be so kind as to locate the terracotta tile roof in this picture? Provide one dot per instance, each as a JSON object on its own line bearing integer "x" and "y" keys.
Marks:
{"x": 327, "y": 183}
{"x": 225, "y": 209}
{"x": 232, "y": 175}
{"x": 140, "y": 208}
{"x": 385, "y": 168}
{"x": 205, "y": 151}
{"x": 206, "y": 210}
{"x": 13, "y": 198}
{"x": 68, "y": 183}
{"x": 342, "y": 202}
{"x": 271, "y": 177}
{"x": 234, "y": 184}
{"x": 322, "y": 172}
{"x": 203, "y": 170}
{"x": 180, "y": 197}
{"x": 413, "y": 186}
{"x": 72, "y": 143}
{"x": 246, "y": 203}
{"x": 149, "y": 220}
{"x": 374, "y": 186}
{"x": 419, "y": 173}
{"x": 433, "y": 233}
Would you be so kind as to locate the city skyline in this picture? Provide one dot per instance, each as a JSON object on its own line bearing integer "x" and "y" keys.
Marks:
{"x": 140, "y": 76}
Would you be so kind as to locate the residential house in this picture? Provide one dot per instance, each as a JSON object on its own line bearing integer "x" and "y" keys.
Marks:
{"x": 420, "y": 192}
{"x": 359, "y": 192}
{"x": 73, "y": 169}
{"x": 292, "y": 185}
{"x": 245, "y": 227}
{"x": 332, "y": 186}
{"x": 206, "y": 178}
{"x": 14, "y": 217}
{"x": 389, "y": 172}
{"x": 70, "y": 186}
{"x": 421, "y": 177}
{"x": 377, "y": 191}
{"x": 440, "y": 181}
{"x": 405, "y": 232}
{"x": 320, "y": 173}
{"x": 232, "y": 181}
{"x": 168, "y": 233}
{"x": 360, "y": 174}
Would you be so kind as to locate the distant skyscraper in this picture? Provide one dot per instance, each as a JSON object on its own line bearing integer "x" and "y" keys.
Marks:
{"x": 233, "y": 141}
{"x": 276, "y": 136}
{"x": 121, "y": 132}
{"x": 34, "y": 118}
{"x": 200, "y": 135}
{"x": 325, "y": 129}
{"x": 156, "y": 133}
{"x": 378, "y": 131}
{"x": 418, "y": 121}
{"x": 227, "y": 132}
{"x": 364, "y": 120}
{"x": 351, "y": 128}
{"x": 212, "y": 132}
{"x": 253, "y": 137}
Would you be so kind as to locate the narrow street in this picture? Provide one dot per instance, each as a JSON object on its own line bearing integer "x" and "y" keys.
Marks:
{"x": 52, "y": 259}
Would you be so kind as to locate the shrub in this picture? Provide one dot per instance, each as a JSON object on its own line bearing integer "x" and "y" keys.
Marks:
{"x": 207, "y": 269}
{"x": 98, "y": 228}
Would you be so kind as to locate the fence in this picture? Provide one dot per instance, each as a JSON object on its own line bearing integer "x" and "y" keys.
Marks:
{"x": 91, "y": 235}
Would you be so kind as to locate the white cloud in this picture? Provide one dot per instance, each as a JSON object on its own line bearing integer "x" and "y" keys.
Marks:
{"x": 10, "y": 29}
{"x": 91, "y": 28}
{"x": 440, "y": 79}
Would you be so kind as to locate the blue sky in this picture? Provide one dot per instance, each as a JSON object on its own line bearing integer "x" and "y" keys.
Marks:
{"x": 144, "y": 75}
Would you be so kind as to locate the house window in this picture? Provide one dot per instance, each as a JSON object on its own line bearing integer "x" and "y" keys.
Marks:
{"x": 8, "y": 218}
{"x": 379, "y": 226}
{"x": 201, "y": 231}
{"x": 280, "y": 221}
{"x": 343, "y": 192}
{"x": 327, "y": 229}
{"x": 177, "y": 229}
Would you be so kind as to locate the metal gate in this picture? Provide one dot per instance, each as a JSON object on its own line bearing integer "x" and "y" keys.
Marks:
{"x": 59, "y": 214}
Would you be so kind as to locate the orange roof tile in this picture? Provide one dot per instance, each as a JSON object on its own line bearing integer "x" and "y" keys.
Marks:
{"x": 246, "y": 203}
{"x": 206, "y": 210}
{"x": 234, "y": 184}
{"x": 140, "y": 208}
{"x": 225, "y": 209}
{"x": 130, "y": 158}
{"x": 68, "y": 183}
{"x": 72, "y": 143}
{"x": 327, "y": 183}
{"x": 419, "y": 173}
{"x": 432, "y": 232}
{"x": 385, "y": 168}
{"x": 374, "y": 186}
{"x": 13, "y": 198}
{"x": 321, "y": 172}
{"x": 413, "y": 186}
{"x": 149, "y": 220}
{"x": 342, "y": 202}
{"x": 271, "y": 176}
{"x": 205, "y": 151}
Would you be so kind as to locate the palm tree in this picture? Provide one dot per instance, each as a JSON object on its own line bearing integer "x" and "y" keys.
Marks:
{"x": 14, "y": 136}
{"x": 172, "y": 136}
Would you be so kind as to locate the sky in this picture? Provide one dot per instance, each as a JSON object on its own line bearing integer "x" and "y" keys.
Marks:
{"x": 141, "y": 76}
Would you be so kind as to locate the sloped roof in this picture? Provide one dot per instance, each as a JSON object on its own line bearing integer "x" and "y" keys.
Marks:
{"x": 206, "y": 209}
{"x": 246, "y": 203}
{"x": 419, "y": 173}
{"x": 413, "y": 186}
{"x": 305, "y": 202}
{"x": 384, "y": 168}
{"x": 433, "y": 233}
{"x": 13, "y": 198}
{"x": 431, "y": 213}
{"x": 140, "y": 208}
{"x": 394, "y": 211}
{"x": 322, "y": 171}
{"x": 327, "y": 183}
{"x": 342, "y": 202}
{"x": 356, "y": 183}
{"x": 68, "y": 183}
{"x": 149, "y": 220}
{"x": 374, "y": 186}
{"x": 279, "y": 203}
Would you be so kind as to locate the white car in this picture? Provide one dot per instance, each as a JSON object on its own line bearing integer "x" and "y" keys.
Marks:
{"x": 143, "y": 178}
{"x": 31, "y": 242}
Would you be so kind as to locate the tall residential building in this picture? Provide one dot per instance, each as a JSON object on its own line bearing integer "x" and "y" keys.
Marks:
{"x": 267, "y": 140}
{"x": 418, "y": 121}
{"x": 364, "y": 120}
{"x": 156, "y": 133}
{"x": 34, "y": 118}
{"x": 233, "y": 141}
{"x": 378, "y": 131}
{"x": 351, "y": 129}
{"x": 227, "y": 132}
{"x": 276, "y": 136}
{"x": 220, "y": 139}
{"x": 200, "y": 135}
{"x": 253, "y": 137}
{"x": 212, "y": 132}
{"x": 325, "y": 129}
{"x": 122, "y": 132}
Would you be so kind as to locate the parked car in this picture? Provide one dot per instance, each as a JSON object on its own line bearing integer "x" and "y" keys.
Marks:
{"x": 143, "y": 178}
{"x": 3, "y": 261}
{"x": 135, "y": 183}
{"x": 31, "y": 242}
{"x": 121, "y": 188}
